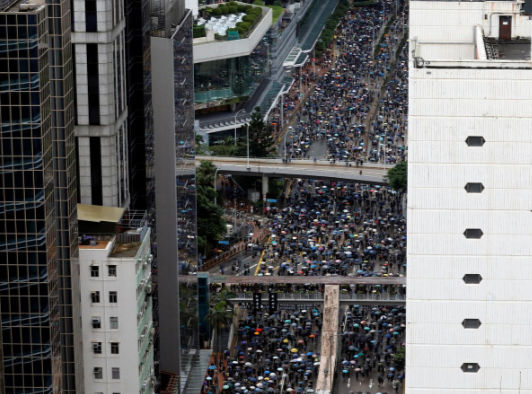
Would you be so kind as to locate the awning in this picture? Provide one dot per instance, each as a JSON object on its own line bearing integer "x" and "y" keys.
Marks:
{"x": 97, "y": 213}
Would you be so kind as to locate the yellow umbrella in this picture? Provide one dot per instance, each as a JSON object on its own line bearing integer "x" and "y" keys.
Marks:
{"x": 294, "y": 350}
{"x": 285, "y": 340}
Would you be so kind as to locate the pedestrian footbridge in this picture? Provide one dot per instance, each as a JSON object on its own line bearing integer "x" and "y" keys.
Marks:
{"x": 313, "y": 297}
{"x": 304, "y": 169}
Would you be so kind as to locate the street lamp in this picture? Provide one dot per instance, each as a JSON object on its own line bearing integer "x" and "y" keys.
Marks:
{"x": 247, "y": 141}
{"x": 283, "y": 92}
{"x": 215, "y": 178}
{"x": 235, "y": 121}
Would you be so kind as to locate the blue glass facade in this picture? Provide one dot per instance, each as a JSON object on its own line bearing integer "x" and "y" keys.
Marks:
{"x": 29, "y": 267}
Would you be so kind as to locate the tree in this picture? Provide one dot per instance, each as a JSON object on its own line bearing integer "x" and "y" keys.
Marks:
{"x": 260, "y": 135}
{"x": 399, "y": 358}
{"x": 223, "y": 295}
{"x": 205, "y": 173}
{"x": 398, "y": 176}
{"x": 211, "y": 225}
{"x": 220, "y": 316}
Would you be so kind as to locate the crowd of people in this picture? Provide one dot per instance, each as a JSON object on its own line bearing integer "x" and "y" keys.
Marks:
{"x": 332, "y": 122}
{"x": 273, "y": 352}
{"x": 372, "y": 345}
{"x": 387, "y": 136}
{"x": 336, "y": 228}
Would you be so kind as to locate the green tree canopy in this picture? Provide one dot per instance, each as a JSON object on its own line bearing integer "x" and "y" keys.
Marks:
{"x": 397, "y": 176}
{"x": 205, "y": 173}
{"x": 260, "y": 135}
{"x": 211, "y": 225}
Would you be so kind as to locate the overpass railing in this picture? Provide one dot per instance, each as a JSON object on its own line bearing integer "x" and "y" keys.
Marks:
{"x": 262, "y": 160}
{"x": 319, "y": 296}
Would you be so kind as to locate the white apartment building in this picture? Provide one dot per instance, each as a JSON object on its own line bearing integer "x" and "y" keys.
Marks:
{"x": 115, "y": 276}
{"x": 469, "y": 296}
{"x": 99, "y": 52}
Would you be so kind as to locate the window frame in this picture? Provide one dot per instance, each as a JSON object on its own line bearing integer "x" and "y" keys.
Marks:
{"x": 112, "y": 323}
{"x": 94, "y": 269}
{"x": 115, "y": 346}
{"x": 117, "y": 371}
{"x": 112, "y": 270}
{"x": 113, "y": 297}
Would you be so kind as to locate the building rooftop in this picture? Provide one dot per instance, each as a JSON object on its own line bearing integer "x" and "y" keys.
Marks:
{"x": 22, "y": 6}
{"x": 125, "y": 250}
{"x": 508, "y": 49}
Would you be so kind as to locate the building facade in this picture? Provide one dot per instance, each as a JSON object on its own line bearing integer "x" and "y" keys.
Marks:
{"x": 99, "y": 37}
{"x": 173, "y": 106}
{"x": 115, "y": 276}
{"x": 469, "y": 192}
{"x": 37, "y": 115}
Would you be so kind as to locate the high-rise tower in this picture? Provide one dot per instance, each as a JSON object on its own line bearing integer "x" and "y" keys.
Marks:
{"x": 37, "y": 195}
{"x": 469, "y": 194}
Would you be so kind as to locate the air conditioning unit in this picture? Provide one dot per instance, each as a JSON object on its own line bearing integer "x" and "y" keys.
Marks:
{"x": 145, "y": 263}
{"x": 148, "y": 289}
{"x": 150, "y": 259}
{"x": 142, "y": 282}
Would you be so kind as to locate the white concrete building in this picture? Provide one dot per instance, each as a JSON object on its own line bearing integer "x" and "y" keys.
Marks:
{"x": 469, "y": 299}
{"x": 115, "y": 276}
{"x": 98, "y": 38}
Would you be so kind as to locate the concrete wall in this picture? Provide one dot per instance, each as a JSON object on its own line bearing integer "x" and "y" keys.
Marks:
{"x": 126, "y": 310}
{"x": 165, "y": 200}
{"x": 445, "y": 107}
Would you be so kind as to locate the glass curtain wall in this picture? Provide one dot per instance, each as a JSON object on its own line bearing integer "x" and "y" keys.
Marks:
{"x": 232, "y": 79}
{"x": 29, "y": 288}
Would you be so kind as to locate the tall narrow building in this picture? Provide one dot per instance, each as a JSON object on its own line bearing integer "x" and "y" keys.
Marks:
{"x": 99, "y": 37}
{"x": 40, "y": 315}
{"x": 469, "y": 198}
{"x": 173, "y": 108}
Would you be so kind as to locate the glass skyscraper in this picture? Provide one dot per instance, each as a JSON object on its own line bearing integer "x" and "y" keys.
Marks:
{"x": 38, "y": 246}
{"x": 29, "y": 248}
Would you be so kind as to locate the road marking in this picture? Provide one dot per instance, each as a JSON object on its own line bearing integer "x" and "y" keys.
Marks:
{"x": 370, "y": 383}
{"x": 260, "y": 260}
{"x": 349, "y": 382}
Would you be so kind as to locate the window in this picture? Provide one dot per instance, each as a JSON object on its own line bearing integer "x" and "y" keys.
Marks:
{"x": 115, "y": 348}
{"x": 98, "y": 373}
{"x": 472, "y": 279}
{"x": 475, "y": 141}
{"x": 95, "y": 271}
{"x": 470, "y": 367}
{"x": 95, "y": 297}
{"x": 474, "y": 187}
{"x": 115, "y": 373}
{"x": 97, "y": 347}
{"x": 114, "y": 323}
{"x": 91, "y": 20}
{"x": 96, "y": 322}
{"x": 473, "y": 233}
{"x": 471, "y": 323}
{"x": 113, "y": 297}
{"x": 111, "y": 270}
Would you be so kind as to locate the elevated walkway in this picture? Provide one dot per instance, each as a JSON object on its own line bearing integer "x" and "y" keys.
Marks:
{"x": 329, "y": 340}
{"x": 301, "y": 169}
{"x": 310, "y": 298}
{"x": 313, "y": 26}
